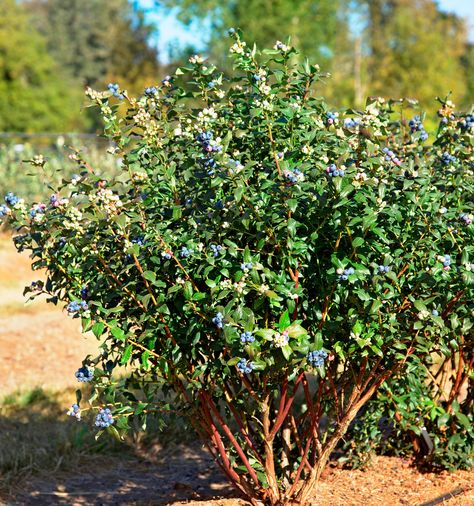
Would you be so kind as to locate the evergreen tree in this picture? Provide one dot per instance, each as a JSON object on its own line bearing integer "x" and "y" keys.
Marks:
{"x": 97, "y": 41}
{"x": 34, "y": 95}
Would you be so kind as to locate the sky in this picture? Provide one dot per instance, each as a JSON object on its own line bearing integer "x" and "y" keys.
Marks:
{"x": 173, "y": 33}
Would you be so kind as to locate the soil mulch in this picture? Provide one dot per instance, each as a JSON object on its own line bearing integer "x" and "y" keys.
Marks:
{"x": 186, "y": 476}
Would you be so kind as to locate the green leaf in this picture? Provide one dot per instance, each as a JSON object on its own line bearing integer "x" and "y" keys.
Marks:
{"x": 284, "y": 321}
{"x": 296, "y": 330}
{"x": 98, "y": 329}
{"x": 287, "y": 352}
{"x": 150, "y": 276}
{"x": 126, "y": 354}
{"x": 118, "y": 333}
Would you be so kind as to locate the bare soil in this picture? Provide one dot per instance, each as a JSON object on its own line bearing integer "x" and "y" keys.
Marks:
{"x": 41, "y": 346}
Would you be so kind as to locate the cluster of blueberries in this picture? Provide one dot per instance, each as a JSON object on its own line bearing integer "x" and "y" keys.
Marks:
{"x": 245, "y": 367}
{"x": 167, "y": 255}
{"x": 3, "y": 210}
{"x": 333, "y": 171}
{"x": 215, "y": 249}
{"x": 185, "y": 252}
{"x": 317, "y": 358}
{"x": 75, "y": 411}
{"x": 84, "y": 292}
{"x": 84, "y": 374}
{"x": 218, "y": 320}
{"x": 390, "y": 156}
{"x": 247, "y": 337}
{"x": 114, "y": 89}
{"x": 331, "y": 118}
{"x": 104, "y": 418}
{"x": 447, "y": 158}
{"x": 416, "y": 125}
{"x": 466, "y": 218}
{"x": 344, "y": 275}
{"x": 75, "y": 306}
{"x": 11, "y": 199}
{"x": 37, "y": 209}
{"x": 207, "y": 147}
{"x": 351, "y": 122}
{"x": 467, "y": 122}
{"x": 292, "y": 175}
{"x": 151, "y": 91}
{"x": 446, "y": 259}
{"x": 383, "y": 268}
{"x": 246, "y": 266}
{"x": 139, "y": 239}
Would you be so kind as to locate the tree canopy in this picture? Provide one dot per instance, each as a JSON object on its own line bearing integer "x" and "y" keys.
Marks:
{"x": 34, "y": 93}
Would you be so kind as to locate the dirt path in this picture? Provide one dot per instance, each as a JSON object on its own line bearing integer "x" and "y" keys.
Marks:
{"x": 187, "y": 476}
{"x": 41, "y": 346}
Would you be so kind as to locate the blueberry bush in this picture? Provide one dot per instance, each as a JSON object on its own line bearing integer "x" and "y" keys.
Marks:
{"x": 262, "y": 264}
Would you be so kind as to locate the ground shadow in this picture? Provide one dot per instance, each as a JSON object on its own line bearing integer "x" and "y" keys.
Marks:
{"x": 50, "y": 459}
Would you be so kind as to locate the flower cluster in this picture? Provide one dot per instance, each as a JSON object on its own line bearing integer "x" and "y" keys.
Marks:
{"x": 37, "y": 212}
{"x": 279, "y": 46}
{"x": 218, "y": 320}
{"x": 244, "y": 366}
{"x": 416, "y": 125}
{"x": 333, "y": 171}
{"x": 280, "y": 340}
{"x": 317, "y": 358}
{"x": 391, "y": 157}
{"x": 247, "y": 337}
{"x": 104, "y": 418}
{"x": 75, "y": 411}
{"x": 84, "y": 374}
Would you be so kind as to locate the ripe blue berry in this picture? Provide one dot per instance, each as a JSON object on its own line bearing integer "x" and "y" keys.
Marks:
{"x": 247, "y": 337}
{"x": 218, "y": 320}
{"x": 317, "y": 358}
{"x": 4, "y": 210}
{"x": 75, "y": 411}
{"x": 11, "y": 199}
{"x": 104, "y": 418}
{"x": 84, "y": 374}
{"x": 245, "y": 367}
